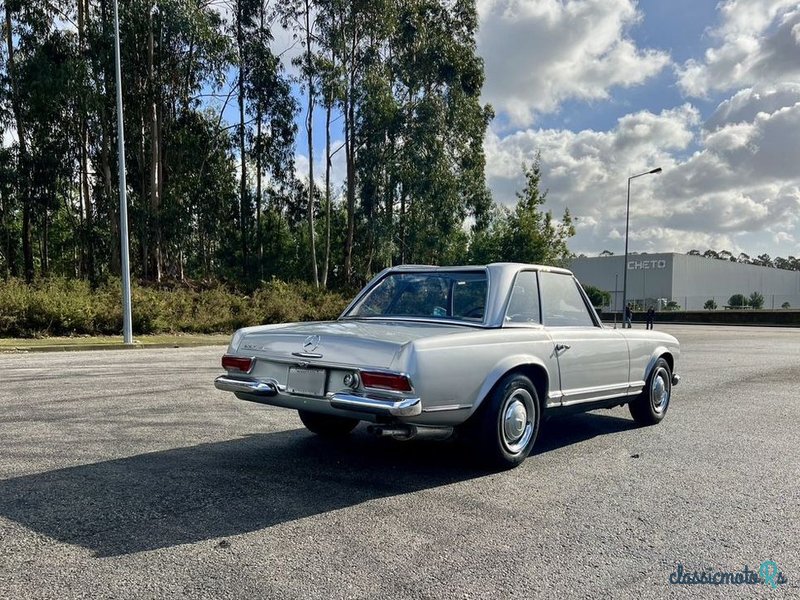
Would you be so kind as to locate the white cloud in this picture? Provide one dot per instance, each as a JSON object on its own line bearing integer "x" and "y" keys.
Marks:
{"x": 740, "y": 188}
{"x": 745, "y": 105}
{"x": 539, "y": 53}
{"x": 758, "y": 42}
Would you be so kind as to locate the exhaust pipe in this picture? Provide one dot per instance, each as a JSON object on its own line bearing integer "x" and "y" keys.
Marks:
{"x": 407, "y": 432}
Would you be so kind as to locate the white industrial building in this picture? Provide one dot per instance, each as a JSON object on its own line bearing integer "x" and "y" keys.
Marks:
{"x": 686, "y": 280}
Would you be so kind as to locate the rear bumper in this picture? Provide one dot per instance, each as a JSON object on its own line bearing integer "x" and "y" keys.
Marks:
{"x": 270, "y": 391}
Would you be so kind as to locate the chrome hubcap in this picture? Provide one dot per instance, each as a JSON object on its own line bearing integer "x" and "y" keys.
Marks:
{"x": 660, "y": 390}
{"x": 517, "y": 423}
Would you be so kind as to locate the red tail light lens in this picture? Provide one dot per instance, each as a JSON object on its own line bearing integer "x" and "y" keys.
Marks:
{"x": 237, "y": 363}
{"x": 386, "y": 381}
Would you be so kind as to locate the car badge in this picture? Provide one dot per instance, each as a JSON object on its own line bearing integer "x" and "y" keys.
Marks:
{"x": 311, "y": 343}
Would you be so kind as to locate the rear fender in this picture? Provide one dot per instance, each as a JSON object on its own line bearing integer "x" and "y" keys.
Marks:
{"x": 506, "y": 365}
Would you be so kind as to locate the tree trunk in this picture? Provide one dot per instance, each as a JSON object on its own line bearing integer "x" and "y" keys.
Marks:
{"x": 24, "y": 158}
{"x": 259, "y": 167}
{"x": 87, "y": 208}
{"x": 111, "y": 208}
{"x": 155, "y": 184}
{"x": 328, "y": 214}
{"x": 310, "y": 136}
{"x": 349, "y": 146}
{"x": 243, "y": 203}
{"x": 402, "y": 224}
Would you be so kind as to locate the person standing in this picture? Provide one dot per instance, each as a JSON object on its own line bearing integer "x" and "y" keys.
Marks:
{"x": 651, "y": 316}
{"x": 628, "y": 316}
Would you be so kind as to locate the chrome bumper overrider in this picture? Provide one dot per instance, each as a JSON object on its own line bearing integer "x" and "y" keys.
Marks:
{"x": 407, "y": 407}
{"x": 403, "y": 407}
{"x": 247, "y": 386}
{"x": 676, "y": 379}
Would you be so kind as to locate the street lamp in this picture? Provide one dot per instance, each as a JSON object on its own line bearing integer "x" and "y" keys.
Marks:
{"x": 127, "y": 327}
{"x": 627, "y": 225}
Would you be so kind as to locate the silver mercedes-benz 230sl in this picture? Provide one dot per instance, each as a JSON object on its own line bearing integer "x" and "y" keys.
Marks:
{"x": 486, "y": 351}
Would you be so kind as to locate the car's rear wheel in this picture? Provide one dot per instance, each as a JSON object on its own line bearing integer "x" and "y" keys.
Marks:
{"x": 651, "y": 405}
{"x": 327, "y": 425}
{"x": 508, "y": 423}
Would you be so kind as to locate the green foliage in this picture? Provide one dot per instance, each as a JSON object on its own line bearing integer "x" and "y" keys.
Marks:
{"x": 210, "y": 118}
{"x": 756, "y": 300}
{"x": 737, "y": 301}
{"x": 597, "y": 296}
{"x": 672, "y": 305}
{"x": 710, "y": 304}
{"x": 527, "y": 233}
{"x": 70, "y": 307}
{"x": 786, "y": 305}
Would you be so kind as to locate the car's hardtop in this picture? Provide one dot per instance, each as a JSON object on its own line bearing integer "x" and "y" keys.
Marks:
{"x": 500, "y": 278}
{"x": 512, "y": 267}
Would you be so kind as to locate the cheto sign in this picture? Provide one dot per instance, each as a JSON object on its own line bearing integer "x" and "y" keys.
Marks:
{"x": 647, "y": 264}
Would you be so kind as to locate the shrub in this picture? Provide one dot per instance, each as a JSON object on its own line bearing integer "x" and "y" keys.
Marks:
{"x": 597, "y": 296}
{"x": 786, "y": 305}
{"x": 737, "y": 301}
{"x": 72, "y": 307}
{"x": 756, "y": 300}
{"x": 710, "y": 304}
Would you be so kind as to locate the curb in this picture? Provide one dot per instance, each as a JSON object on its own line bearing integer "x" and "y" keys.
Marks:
{"x": 88, "y": 347}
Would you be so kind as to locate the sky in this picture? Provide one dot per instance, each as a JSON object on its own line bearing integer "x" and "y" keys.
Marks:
{"x": 606, "y": 89}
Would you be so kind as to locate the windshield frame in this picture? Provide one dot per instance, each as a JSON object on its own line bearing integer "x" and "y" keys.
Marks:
{"x": 377, "y": 280}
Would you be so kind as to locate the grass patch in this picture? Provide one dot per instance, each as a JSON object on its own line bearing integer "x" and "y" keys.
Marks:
{"x": 92, "y": 342}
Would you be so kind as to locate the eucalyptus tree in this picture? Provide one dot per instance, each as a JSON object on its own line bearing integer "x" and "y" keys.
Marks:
{"x": 531, "y": 235}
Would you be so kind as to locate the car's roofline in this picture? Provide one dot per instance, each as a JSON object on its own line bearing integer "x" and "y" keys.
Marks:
{"x": 508, "y": 266}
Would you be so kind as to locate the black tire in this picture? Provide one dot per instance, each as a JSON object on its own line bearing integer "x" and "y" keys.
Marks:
{"x": 650, "y": 407}
{"x": 327, "y": 425}
{"x": 502, "y": 433}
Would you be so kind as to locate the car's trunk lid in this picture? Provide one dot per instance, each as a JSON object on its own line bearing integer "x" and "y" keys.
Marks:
{"x": 351, "y": 342}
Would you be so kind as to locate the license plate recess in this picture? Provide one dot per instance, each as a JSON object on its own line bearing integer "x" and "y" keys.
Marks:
{"x": 306, "y": 382}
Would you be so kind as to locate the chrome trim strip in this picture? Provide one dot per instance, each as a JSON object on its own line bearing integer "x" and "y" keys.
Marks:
{"x": 598, "y": 398}
{"x": 408, "y": 407}
{"x": 266, "y": 387}
{"x": 307, "y": 354}
{"x": 431, "y": 409}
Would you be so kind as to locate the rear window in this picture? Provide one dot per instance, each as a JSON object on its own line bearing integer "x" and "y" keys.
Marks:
{"x": 449, "y": 295}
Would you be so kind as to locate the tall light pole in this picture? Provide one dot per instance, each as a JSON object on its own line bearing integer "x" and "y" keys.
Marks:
{"x": 627, "y": 225}
{"x": 127, "y": 327}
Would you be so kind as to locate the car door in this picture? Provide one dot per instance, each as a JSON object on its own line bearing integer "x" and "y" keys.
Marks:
{"x": 593, "y": 361}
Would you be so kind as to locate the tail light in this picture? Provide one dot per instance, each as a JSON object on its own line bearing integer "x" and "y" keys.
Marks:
{"x": 386, "y": 381}
{"x": 237, "y": 363}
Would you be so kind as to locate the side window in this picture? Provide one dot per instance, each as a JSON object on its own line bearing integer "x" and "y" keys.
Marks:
{"x": 562, "y": 303}
{"x": 523, "y": 306}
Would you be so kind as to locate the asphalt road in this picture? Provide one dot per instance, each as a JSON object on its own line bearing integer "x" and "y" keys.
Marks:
{"x": 126, "y": 474}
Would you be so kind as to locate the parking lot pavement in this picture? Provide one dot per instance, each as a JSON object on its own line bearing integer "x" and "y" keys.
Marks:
{"x": 126, "y": 474}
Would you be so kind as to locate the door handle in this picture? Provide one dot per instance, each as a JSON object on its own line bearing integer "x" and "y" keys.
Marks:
{"x": 561, "y": 347}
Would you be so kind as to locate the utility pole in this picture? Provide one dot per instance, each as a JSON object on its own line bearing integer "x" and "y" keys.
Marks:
{"x": 127, "y": 327}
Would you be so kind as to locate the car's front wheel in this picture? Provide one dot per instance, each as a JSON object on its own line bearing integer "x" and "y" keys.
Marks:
{"x": 508, "y": 423}
{"x": 327, "y": 425}
{"x": 651, "y": 405}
